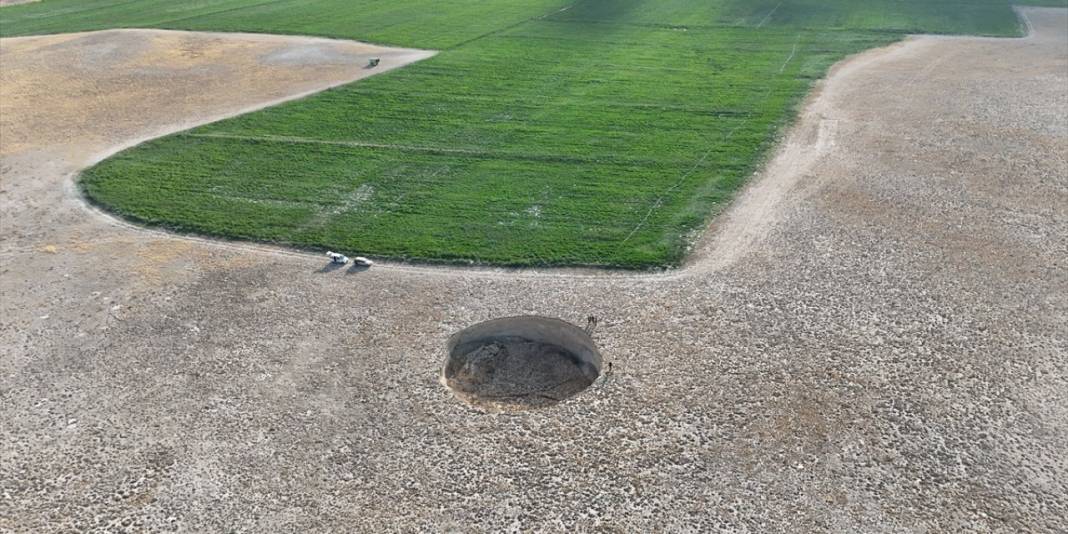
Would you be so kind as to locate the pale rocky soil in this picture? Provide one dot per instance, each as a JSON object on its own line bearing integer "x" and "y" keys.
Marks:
{"x": 871, "y": 339}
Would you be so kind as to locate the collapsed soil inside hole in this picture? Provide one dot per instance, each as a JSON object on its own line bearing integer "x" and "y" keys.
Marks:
{"x": 518, "y": 370}
{"x": 492, "y": 366}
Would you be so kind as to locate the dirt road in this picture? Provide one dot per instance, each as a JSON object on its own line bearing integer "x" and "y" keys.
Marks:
{"x": 871, "y": 339}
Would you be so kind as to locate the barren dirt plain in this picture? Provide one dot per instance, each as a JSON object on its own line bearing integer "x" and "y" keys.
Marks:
{"x": 871, "y": 339}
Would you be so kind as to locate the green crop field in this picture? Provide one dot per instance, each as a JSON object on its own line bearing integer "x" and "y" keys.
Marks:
{"x": 596, "y": 132}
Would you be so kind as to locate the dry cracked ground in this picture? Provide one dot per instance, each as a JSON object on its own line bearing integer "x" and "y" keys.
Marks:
{"x": 871, "y": 339}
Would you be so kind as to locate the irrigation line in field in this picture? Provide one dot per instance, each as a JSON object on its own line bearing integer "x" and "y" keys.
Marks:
{"x": 356, "y": 144}
{"x": 660, "y": 199}
{"x": 436, "y": 150}
{"x": 792, "y": 52}
{"x": 558, "y": 11}
{"x": 768, "y": 16}
{"x": 499, "y": 31}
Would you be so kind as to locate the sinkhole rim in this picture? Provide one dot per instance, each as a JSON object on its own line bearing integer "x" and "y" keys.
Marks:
{"x": 572, "y": 348}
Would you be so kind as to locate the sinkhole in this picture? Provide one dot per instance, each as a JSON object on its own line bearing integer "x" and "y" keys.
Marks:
{"x": 518, "y": 363}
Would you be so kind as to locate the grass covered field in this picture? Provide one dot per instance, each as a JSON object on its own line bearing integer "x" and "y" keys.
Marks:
{"x": 603, "y": 134}
{"x": 417, "y": 23}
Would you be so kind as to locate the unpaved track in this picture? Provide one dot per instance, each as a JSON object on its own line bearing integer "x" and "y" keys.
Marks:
{"x": 871, "y": 339}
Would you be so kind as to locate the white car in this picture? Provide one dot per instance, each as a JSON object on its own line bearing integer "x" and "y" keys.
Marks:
{"x": 360, "y": 260}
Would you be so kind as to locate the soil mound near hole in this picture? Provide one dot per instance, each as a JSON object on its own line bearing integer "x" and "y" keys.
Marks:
{"x": 518, "y": 363}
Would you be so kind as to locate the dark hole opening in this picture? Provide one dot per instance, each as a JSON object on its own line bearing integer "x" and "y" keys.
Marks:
{"x": 517, "y": 363}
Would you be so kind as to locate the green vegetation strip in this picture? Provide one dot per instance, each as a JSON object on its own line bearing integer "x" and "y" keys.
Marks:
{"x": 600, "y": 133}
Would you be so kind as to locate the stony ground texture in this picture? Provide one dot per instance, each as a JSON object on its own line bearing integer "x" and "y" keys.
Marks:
{"x": 872, "y": 339}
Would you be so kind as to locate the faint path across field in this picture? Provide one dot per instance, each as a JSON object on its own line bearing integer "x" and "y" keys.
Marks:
{"x": 870, "y": 339}
{"x": 96, "y": 88}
